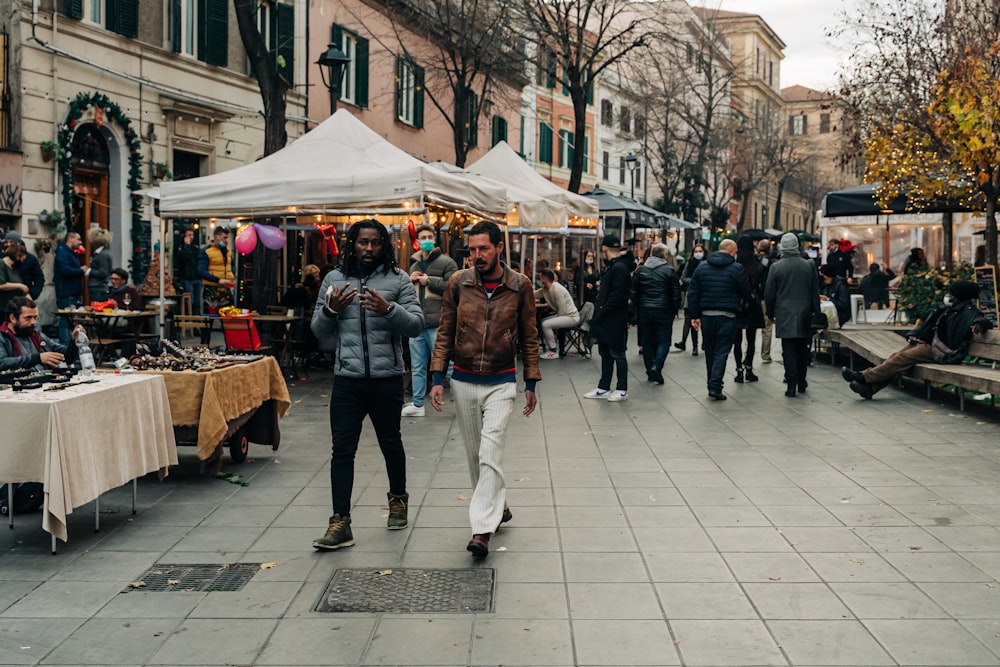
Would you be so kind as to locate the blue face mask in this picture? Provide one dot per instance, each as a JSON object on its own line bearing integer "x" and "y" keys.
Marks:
{"x": 222, "y": 244}
{"x": 427, "y": 245}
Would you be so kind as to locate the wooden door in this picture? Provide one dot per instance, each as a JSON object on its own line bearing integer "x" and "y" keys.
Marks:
{"x": 90, "y": 208}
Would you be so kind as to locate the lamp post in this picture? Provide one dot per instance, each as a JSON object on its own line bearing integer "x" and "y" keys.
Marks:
{"x": 631, "y": 161}
{"x": 332, "y": 64}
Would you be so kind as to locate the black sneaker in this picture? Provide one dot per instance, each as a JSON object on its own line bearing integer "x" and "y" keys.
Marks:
{"x": 397, "y": 511}
{"x": 851, "y": 376}
{"x": 863, "y": 390}
{"x": 338, "y": 535}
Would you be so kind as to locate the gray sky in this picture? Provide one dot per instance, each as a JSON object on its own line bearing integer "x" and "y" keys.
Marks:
{"x": 810, "y": 59}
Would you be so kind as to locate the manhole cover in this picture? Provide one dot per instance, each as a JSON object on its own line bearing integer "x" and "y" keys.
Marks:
{"x": 407, "y": 591}
{"x": 194, "y": 578}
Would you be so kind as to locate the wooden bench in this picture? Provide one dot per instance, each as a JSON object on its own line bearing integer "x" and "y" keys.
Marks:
{"x": 877, "y": 345}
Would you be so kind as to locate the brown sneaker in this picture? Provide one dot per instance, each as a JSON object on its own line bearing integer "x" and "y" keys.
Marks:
{"x": 479, "y": 545}
{"x": 338, "y": 534}
{"x": 397, "y": 511}
{"x": 507, "y": 516}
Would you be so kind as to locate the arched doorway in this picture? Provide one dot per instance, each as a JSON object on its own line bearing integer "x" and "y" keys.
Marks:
{"x": 91, "y": 175}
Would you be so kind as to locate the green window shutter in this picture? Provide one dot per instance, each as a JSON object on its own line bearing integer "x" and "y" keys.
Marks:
{"x": 586, "y": 153}
{"x": 418, "y": 96}
{"x": 400, "y": 72}
{"x": 213, "y": 32}
{"x": 128, "y": 18}
{"x": 337, "y": 35}
{"x": 520, "y": 147}
{"x": 175, "y": 26}
{"x": 550, "y": 69}
{"x": 361, "y": 74}
{"x": 499, "y": 130}
{"x": 111, "y": 15}
{"x": 74, "y": 9}
{"x": 286, "y": 40}
{"x": 545, "y": 143}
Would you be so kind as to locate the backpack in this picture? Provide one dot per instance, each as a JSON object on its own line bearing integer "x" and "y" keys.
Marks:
{"x": 28, "y": 497}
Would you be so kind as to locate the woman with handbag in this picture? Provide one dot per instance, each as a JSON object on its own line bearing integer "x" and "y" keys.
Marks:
{"x": 697, "y": 255}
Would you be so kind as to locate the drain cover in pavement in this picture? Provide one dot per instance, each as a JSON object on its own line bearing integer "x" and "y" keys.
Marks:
{"x": 409, "y": 591}
{"x": 195, "y": 578}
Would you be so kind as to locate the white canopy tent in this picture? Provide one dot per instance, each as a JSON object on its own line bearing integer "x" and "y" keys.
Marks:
{"x": 339, "y": 168}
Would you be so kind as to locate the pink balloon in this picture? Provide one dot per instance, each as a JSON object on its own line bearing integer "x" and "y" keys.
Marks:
{"x": 246, "y": 240}
{"x": 272, "y": 237}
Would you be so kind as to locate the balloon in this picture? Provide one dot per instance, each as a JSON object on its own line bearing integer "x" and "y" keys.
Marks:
{"x": 272, "y": 237}
{"x": 246, "y": 240}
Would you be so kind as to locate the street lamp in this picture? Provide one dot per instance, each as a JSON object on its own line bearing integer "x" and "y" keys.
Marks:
{"x": 331, "y": 69}
{"x": 631, "y": 161}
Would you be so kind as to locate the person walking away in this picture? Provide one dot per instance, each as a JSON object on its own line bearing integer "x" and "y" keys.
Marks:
{"x": 29, "y": 268}
{"x": 100, "y": 263}
{"x": 697, "y": 255}
{"x": 430, "y": 270}
{"x": 717, "y": 288}
{"x": 792, "y": 296}
{"x": 833, "y": 288}
{"x": 656, "y": 295}
{"x": 587, "y": 279}
{"x": 750, "y": 322}
{"x": 369, "y": 305}
{"x": 68, "y": 277}
{"x": 609, "y": 325}
{"x": 186, "y": 269}
{"x": 487, "y": 317}
{"x": 942, "y": 338}
{"x": 764, "y": 253}
{"x": 875, "y": 287}
{"x": 566, "y": 315}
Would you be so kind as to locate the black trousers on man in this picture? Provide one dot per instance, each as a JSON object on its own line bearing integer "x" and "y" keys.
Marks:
{"x": 611, "y": 346}
{"x": 351, "y": 400}
{"x": 718, "y": 333}
{"x": 795, "y": 357}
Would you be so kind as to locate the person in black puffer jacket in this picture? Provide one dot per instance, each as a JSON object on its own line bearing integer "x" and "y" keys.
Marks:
{"x": 752, "y": 320}
{"x": 656, "y": 296}
{"x": 717, "y": 288}
{"x": 698, "y": 254}
{"x": 833, "y": 288}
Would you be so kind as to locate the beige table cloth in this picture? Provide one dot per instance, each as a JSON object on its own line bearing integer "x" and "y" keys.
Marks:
{"x": 85, "y": 440}
{"x": 211, "y": 399}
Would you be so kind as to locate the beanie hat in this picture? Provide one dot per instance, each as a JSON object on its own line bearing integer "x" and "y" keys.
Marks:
{"x": 789, "y": 242}
{"x": 964, "y": 290}
{"x": 13, "y": 237}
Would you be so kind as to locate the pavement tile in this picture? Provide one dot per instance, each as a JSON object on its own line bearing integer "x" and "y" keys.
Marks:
{"x": 106, "y": 641}
{"x": 671, "y": 516}
{"x": 503, "y": 641}
{"x": 605, "y": 567}
{"x": 64, "y": 599}
{"x": 687, "y": 567}
{"x": 730, "y": 516}
{"x": 676, "y": 539}
{"x": 596, "y": 517}
{"x": 142, "y": 604}
{"x": 807, "y": 539}
{"x": 729, "y": 539}
{"x": 828, "y": 642}
{"x": 588, "y": 540}
{"x": 791, "y": 601}
{"x": 12, "y": 591}
{"x": 790, "y": 515}
{"x": 764, "y": 567}
{"x": 967, "y": 538}
{"x": 25, "y": 641}
{"x": 934, "y": 642}
{"x": 715, "y": 643}
{"x": 613, "y": 601}
{"x": 987, "y": 561}
{"x": 420, "y": 640}
{"x": 209, "y": 641}
{"x": 704, "y": 601}
{"x": 636, "y": 642}
{"x": 987, "y": 631}
{"x": 532, "y": 600}
{"x": 332, "y": 640}
{"x": 930, "y": 566}
{"x": 888, "y": 601}
{"x": 258, "y": 599}
{"x": 887, "y": 539}
{"x": 966, "y": 600}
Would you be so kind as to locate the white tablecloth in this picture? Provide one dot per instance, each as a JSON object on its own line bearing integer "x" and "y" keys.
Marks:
{"x": 85, "y": 440}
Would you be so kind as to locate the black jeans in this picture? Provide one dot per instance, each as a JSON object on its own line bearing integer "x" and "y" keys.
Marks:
{"x": 613, "y": 359}
{"x": 795, "y": 357}
{"x": 718, "y": 332}
{"x": 751, "y": 336}
{"x": 655, "y": 327}
{"x": 351, "y": 400}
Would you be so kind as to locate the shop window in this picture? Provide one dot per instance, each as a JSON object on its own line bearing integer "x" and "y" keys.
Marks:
{"x": 354, "y": 85}
{"x": 409, "y": 92}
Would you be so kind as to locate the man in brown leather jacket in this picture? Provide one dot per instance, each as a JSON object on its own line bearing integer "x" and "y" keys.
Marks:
{"x": 487, "y": 315}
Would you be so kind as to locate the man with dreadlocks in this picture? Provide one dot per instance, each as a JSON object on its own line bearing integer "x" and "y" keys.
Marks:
{"x": 369, "y": 305}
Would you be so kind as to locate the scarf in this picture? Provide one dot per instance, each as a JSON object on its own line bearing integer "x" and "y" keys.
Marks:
{"x": 36, "y": 338}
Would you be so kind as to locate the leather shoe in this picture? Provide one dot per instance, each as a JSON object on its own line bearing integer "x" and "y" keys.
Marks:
{"x": 479, "y": 545}
{"x": 851, "y": 376}
{"x": 863, "y": 390}
{"x": 803, "y": 386}
{"x": 507, "y": 516}
{"x": 718, "y": 397}
{"x": 658, "y": 379}
{"x": 790, "y": 392}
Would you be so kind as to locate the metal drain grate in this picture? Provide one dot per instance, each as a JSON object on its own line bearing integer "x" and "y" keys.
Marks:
{"x": 409, "y": 591}
{"x": 195, "y": 578}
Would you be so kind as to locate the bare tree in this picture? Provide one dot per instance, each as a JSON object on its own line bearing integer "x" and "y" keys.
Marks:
{"x": 587, "y": 37}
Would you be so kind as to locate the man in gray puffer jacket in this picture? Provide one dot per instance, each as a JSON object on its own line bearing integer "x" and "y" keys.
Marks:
{"x": 369, "y": 305}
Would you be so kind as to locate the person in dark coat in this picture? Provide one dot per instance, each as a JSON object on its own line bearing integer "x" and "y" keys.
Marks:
{"x": 840, "y": 261}
{"x": 752, "y": 320}
{"x": 29, "y": 268}
{"x": 656, "y": 296}
{"x": 697, "y": 255}
{"x": 186, "y": 269}
{"x": 100, "y": 263}
{"x": 609, "y": 325}
{"x": 587, "y": 280}
{"x": 835, "y": 290}
{"x": 68, "y": 277}
{"x": 952, "y": 326}
{"x": 792, "y": 296}
{"x": 875, "y": 286}
{"x": 717, "y": 288}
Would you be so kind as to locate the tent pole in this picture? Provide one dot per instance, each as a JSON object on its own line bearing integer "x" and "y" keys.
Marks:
{"x": 534, "y": 262}
{"x": 163, "y": 262}
{"x": 506, "y": 242}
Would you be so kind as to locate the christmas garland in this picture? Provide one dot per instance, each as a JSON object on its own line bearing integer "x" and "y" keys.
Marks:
{"x": 112, "y": 112}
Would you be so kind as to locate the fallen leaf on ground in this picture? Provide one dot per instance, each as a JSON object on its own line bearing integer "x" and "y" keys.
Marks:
{"x": 927, "y": 411}
{"x": 268, "y": 566}
{"x": 173, "y": 582}
{"x": 775, "y": 578}
{"x": 916, "y": 548}
{"x": 461, "y": 497}
{"x": 859, "y": 561}
{"x": 137, "y": 584}
{"x": 385, "y": 573}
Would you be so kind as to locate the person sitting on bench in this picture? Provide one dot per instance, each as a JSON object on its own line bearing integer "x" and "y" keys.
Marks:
{"x": 942, "y": 338}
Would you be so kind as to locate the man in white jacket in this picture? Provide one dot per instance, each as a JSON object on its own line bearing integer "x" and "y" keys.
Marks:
{"x": 566, "y": 315}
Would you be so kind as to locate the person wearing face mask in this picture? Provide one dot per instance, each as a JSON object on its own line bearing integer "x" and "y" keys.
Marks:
{"x": 609, "y": 325}
{"x": 22, "y": 346}
{"x": 942, "y": 338}
{"x": 215, "y": 266}
{"x": 697, "y": 256}
{"x": 430, "y": 270}
{"x": 587, "y": 280}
